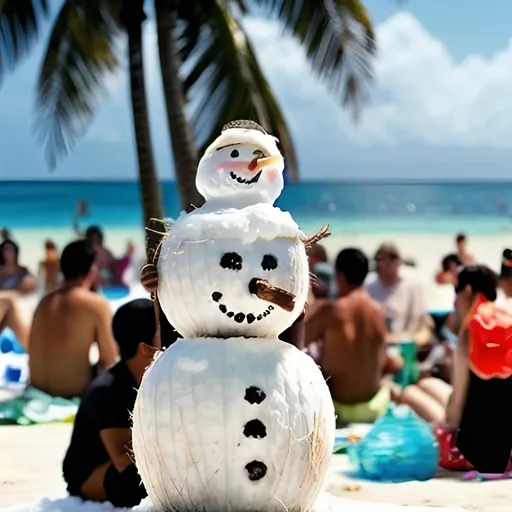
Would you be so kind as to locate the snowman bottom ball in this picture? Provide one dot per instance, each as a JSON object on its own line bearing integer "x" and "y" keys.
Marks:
{"x": 233, "y": 425}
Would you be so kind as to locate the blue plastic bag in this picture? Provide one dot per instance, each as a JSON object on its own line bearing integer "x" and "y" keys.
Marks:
{"x": 400, "y": 447}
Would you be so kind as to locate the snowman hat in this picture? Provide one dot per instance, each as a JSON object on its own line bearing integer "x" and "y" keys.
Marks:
{"x": 244, "y": 132}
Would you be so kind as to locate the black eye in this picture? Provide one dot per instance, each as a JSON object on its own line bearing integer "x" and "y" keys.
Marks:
{"x": 258, "y": 153}
{"x": 231, "y": 261}
{"x": 235, "y": 153}
{"x": 269, "y": 262}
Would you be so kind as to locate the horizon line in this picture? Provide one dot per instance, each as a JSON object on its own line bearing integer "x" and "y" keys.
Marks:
{"x": 346, "y": 180}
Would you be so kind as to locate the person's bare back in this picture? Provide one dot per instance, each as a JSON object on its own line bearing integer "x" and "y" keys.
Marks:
{"x": 353, "y": 330}
{"x": 65, "y": 325}
{"x": 354, "y": 347}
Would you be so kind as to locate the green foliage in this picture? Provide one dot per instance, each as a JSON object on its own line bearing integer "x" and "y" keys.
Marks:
{"x": 338, "y": 38}
{"x": 227, "y": 81}
{"x": 20, "y": 25}
{"x": 226, "y": 78}
{"x": 81, "y": 52}
{"x": 221, "y": 68}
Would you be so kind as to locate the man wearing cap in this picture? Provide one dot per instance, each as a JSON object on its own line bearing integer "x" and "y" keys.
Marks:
{"x": 401, "y": 297}
{"x": 97, "y": 466}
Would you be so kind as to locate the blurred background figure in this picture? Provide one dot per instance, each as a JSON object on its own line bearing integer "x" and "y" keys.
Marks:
{"x": 505, "y": 277}
{"x": 401, "y": 297}
{"x": 49, "y": 268}
{"x": 5, "y": 235}
{"x": 14, "y": 276}
{"x": 111, "y": 270}
{"x": 319, "y": 266}
{"x": 464, "y": 256}
{"x": 81, "y": 211}
{"x": 450, "y": 267}
{"x": 66, "y": 324}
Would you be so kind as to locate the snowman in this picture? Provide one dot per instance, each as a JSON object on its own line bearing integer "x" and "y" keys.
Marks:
{"x": 231, "y": 418}
{"x": 242, "y": 167}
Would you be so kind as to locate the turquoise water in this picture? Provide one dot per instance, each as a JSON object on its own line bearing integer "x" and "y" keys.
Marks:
{"x": 433, "y": 207}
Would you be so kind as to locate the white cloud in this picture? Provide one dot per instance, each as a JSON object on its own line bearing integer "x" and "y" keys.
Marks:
{"x": 422, "y": 94}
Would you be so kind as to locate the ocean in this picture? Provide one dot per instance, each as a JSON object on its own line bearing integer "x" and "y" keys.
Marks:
{"x": 350, "y": 207}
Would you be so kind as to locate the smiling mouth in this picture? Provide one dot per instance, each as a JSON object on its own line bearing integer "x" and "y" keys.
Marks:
{"x": 243, "y": 180}
{"x": 239, "y": 318}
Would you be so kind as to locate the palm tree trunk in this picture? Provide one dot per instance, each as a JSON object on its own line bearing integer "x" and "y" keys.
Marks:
{"x": 183, "y": 148}
{"x": 132, "y": 18}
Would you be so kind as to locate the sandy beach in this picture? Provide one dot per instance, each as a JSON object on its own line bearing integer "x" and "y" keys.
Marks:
{"x": 30, "y": 460}
{"x": 30, "y": 467}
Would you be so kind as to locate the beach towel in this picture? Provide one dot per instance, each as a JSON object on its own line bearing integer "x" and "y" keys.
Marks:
{"x": 30, "y": 406}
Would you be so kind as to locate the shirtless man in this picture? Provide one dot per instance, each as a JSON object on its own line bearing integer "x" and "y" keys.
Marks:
{"x": 65, "y": 325}
{"x": 354, "y": 331}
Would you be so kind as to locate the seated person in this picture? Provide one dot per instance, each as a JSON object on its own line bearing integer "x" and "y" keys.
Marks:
{"x": 49, "y": 268}
{"x": 320, "y": 267}
{"x": 66, "y": 323}
{"x": 111, "y": 270}
{"x": 295, "y": 334}
{"x": 354, "y": 331}
{"x": 5, "y": 234}
{"x": 506, "y": 273}
{"x": 434, "y": 400}
{"x": 13, "y": 276}
{"x": 316, "y": 254}
{"x": 465, "y": 257}
{"x": 480, "y": 403}
{"x": 401, "y": 297}
{"x": 450, "y": 267}
{"x": 10, "y": 316}
{"x": 97, "y": 465}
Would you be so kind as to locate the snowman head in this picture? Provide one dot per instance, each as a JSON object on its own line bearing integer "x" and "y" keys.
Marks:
{"x": 233, "y": 275}
{"x": 243, "y": 166}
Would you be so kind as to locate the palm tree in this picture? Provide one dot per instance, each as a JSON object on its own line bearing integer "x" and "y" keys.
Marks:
{"x": 82, "y": 50}
{"x": 224, "y": 73}
{"x": 183, "y": 147}
{"x": 132, "y": 17}
{"x": 20, "y": 25}
{"x": 227, "y": 79}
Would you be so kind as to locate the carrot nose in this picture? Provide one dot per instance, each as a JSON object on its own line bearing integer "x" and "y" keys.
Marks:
{"x": 258, "y": 163}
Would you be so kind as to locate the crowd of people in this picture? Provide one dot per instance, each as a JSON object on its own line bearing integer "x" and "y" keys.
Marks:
{"x": 356, "y": 326}
{"x": 70, "y": 317}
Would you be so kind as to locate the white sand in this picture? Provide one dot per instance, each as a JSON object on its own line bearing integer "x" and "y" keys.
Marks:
{"x": 30, "y": 457}
{"x": 30, "y": 467}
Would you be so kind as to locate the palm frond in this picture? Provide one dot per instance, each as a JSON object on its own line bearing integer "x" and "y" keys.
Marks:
{"x": 338, "y": 38}
{"x": 81, "y": 52}
{"x": 20, "y": 24}
{"x": 227, "y": 82}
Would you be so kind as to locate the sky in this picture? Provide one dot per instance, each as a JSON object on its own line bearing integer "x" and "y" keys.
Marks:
{"x": 440, "y": 107}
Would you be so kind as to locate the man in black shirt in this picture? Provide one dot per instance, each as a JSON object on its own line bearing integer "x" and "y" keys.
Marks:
{"x": 97, "y": 465}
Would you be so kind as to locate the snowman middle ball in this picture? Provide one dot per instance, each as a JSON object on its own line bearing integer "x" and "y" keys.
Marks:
{"x": 209, "y": 263}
